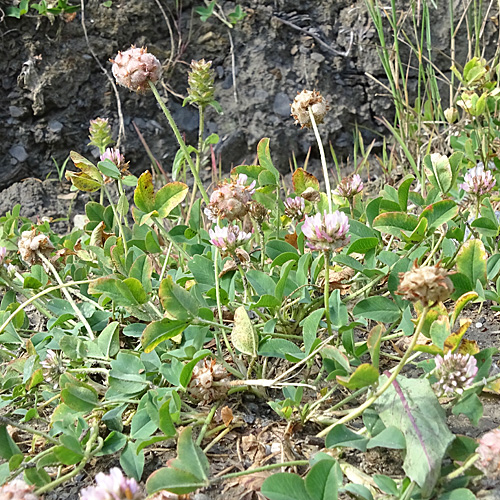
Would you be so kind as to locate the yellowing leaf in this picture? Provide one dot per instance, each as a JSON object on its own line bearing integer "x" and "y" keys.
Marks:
{"x": 243, "y": 335}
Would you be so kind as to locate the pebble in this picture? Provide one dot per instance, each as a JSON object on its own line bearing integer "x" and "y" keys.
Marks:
{"x": 316, "y": 56}
{"x": 18, "y": 152}
{"x": 281, "y": 104}
{"x": 55, "y": 126}
{"x": 16, "y": 111}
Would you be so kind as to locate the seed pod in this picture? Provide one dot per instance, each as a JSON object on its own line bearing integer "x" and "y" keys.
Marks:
{"x": 301, "y": 104}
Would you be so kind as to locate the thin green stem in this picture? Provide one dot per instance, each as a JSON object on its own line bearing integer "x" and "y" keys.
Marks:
{"x": 360, "y": 409}
{"x": 88, "y": 454}
{"x": 209, "y": 419}
{"x": 28, "y": 429}
{"x": 294, "y": 463}
{"x": 466, "y": 465}
{"x": 65, "y": 292}
{"x": 327, "y": 294}
{"x": 199, "y": 154}
{"x": 180, "y": 140}
{"x": 323, "y": 161}
{"x": 117, "y": 218}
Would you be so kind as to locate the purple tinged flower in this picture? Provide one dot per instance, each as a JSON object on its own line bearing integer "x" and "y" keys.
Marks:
{"x": 228, "y": 238}
{"x": 3, "y": 253}
{"x": 489, "y": 453}
{"x": 112, "y": 486}
{"x": 100, "y": 133}
{"x": 478, "y": 181}
{"x": 135, "y": 67}
{"x": 455, "y": 373}
{"x": 326, "y": 231}
{"x": 114, "y": 155}
{"x": 17, "y": 490}
{"x": 295, "y": 207}
{"x": 349, "y": 186}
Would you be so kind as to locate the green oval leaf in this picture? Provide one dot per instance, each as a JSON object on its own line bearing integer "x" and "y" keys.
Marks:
{"x": 378, "y": 309}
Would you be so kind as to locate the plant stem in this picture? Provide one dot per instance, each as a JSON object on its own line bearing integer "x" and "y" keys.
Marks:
{"x": 203, "y": 430}
{"x": 327, "y": 294}
{"x": 198, "y": 157}
{"x": 65, "y": 292}
{"x": 466, "y": 465}
{"x": 323, "y": 161}
{"x": 180, "y": 140}
{"x": 89, "y": 452}
{"x": 360, "y": 409}
{"x": 37, "y": 296}
{"x": 117, "y": 218}
{"x": 260, "y": 469}
{"x": 30, "y": 430}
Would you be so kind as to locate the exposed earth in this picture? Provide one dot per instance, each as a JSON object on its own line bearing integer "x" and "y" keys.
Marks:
{"x": 54, "y": 81}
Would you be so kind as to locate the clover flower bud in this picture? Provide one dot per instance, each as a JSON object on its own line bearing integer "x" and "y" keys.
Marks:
{"x": 295, "y": 207}
{"x": 325, "y": 232}
{"x": 228, "y": 238}
{"x": 349, "y": 187}
{"x": 301, "y": 104}
{"x": 3, "y": 253}
{"x": 478, "y": 181}
{"x": 489, "y": 454}
{"x": 455, "y": 373}
{"x": 30, "y": 243}
{"x": 53, "y": 367}
{"x": 135, "y": 67}
{"x": 429, "y": 284}
{"x": 100, "y": 133}
{"x": 201, "y": 83}
{"x": 258, "y": 211}
{"x": 114, "y": 155}
{"x": 231, "y": 200}
{"x": 451, "y": 115}
{"x": 205, "y": 373}
{"x": 112, "y": 486}
{"x": 17, "y": 490}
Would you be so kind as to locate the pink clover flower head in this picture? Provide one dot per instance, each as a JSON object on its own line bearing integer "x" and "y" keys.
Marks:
{"x": 112, "y": 486}
{"x": 489, "y": 453}
{"x": 455, "y": 373}
{"x": 17, "y": 490}
{"x": 325, "y": 232}
{"x": 114, "y": 155}
{"x": 349, "y": 186}
{"x": 3, "y": 253}
{"x": 135, "y": 67}
{"x": 228, "y": 238}
{"x": 295, "y": 207}
{"x": 231, "y": 200}
{"x": 478, "y": 181}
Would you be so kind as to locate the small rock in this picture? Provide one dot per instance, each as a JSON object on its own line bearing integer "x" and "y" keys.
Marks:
{"x": 16, "y": 111}
{"x": 55, "y": 126}
{"x": 18, "y": 152}
{"x": 281, "y": 104}
{"x": 316, "y": 56}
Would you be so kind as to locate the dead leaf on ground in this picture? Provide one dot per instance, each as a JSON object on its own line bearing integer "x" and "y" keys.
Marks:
{"x": 227, "y": 415}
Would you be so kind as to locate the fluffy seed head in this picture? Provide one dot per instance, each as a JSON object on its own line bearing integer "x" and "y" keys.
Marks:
{"x": 228, "y": 238}
{"x": 455, "y": 373}
{"x": 17, "y": 490}
{"x": 429, "y": 284}
{"x": 349, "y": 186}
{"x": 135, "y": 67}
{"x": 326, "y": 231}
{"x": 32, "y": 242}
{"x": 231, "y": 200}
{"x": 478, "y": 181}
{"x": 201, "y": 83}
{"x": 489, "y": 454}
{"x": 301, "y": 104}
{"x": 100, "y": 133}
{"x": 112, "y": 486}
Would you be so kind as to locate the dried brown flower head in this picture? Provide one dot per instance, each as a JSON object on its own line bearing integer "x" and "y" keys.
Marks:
{"x": 32, "y": 242}
{"x": 301, "y": 104}
{"x": 429, "y": 284}
{"x": 205, "y": 373}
